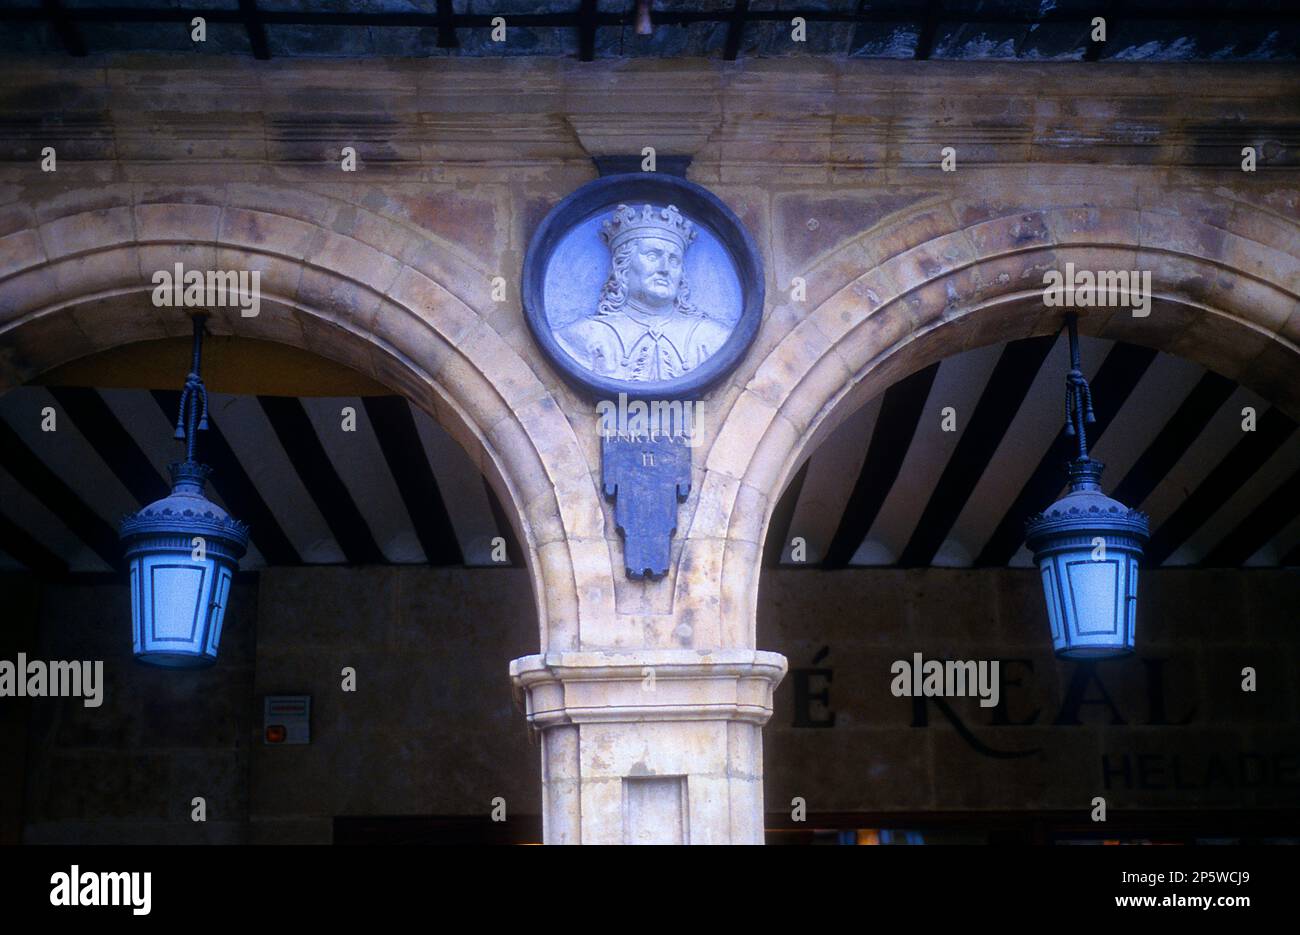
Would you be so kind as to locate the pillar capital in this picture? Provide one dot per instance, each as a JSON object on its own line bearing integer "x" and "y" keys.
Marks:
{"x": 647, "y": 685}
{"x": 653, "y": 746}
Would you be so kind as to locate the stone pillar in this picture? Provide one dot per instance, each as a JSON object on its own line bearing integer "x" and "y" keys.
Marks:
{"x": 651, "y": 746}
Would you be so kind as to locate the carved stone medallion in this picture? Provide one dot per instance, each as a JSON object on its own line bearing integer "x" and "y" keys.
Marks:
{"x": 643, "y": 284}
{"x": 646, "y": 288}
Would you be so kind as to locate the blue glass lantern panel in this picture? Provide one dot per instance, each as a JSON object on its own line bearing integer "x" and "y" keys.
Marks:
{"x": 173, "y": 609}
{"x": 1131, "y": 599}
{"x": 1091, "y": 603}
{"x": 137, "y": 608}
{"x": 217, "y": 612}
{"x": 1096, "y": 597}
{"x": 176, "y": 611}
{"x": 1053, "y": 600}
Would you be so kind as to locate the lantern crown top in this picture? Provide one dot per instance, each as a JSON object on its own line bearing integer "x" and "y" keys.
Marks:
{"x": 1085, "y": 509}
{"x": 188, "y": 477}
{"x": 186, "y": 511}
{"x": 1085, "y": 474}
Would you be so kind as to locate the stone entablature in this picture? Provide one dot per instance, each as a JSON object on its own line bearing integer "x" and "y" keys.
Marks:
{"x": 811, "y": 120}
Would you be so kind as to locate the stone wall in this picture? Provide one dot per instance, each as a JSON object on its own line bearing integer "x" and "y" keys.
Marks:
{"x": 432, "y": 728}
{"x": 1168, "y": 727}
{"x": 127, "y": 771}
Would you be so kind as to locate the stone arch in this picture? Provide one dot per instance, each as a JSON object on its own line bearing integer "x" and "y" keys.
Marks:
{"x": 1224, "y": 283}
{"x": 358, "y": 288}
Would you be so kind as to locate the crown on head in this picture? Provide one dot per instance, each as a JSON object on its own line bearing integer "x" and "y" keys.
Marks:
{"x": 648, "y": 221}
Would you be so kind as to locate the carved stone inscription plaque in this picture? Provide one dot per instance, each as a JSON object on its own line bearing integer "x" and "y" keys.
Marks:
{"x": 646, "y": 477}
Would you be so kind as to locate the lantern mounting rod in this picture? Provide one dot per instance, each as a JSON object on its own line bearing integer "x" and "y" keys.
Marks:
{"x": 1078, "y": 395}
{"x": 193, "y": 414}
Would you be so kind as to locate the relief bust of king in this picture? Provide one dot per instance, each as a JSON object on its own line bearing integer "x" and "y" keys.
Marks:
{"x": 645, "y": 328}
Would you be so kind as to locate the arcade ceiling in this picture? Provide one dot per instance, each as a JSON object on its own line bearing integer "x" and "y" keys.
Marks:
{"x": 896, "y": 485}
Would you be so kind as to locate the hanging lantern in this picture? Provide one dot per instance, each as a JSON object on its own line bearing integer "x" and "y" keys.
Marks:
{"x": 1087, "y": 546}
{"x": 183, "y": 551}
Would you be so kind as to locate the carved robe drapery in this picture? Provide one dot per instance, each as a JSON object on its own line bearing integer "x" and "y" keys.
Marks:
{"x": 627, "y": 348}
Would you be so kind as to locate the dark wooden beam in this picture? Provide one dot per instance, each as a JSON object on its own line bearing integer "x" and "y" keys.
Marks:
{"x": 587, "y": 31}
{"x": 252, "y": 18}
{"x": 112, "y": 442}
{"x": 1228, "y": 476}
{"x": 1115, "y": 380}
{"x": 1002, "y": 398}
{"x": 736, "y": 30}
{"x": 64, "y": 26}
{"x": 42, "y": 483}
{"x": 929, "y": 28}
{"x": 1173, "y": 440}
{"x": 399, "y": 439}
{"x": 1274, "y": 513}
{"x": 293, "y": 427}
{"x": 447, "y": 38}
{"x": 900, "y": 411}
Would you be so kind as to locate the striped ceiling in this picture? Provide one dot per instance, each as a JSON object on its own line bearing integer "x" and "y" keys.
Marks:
{"x": 890, "y": 487}
{"x": 398, "y": 489}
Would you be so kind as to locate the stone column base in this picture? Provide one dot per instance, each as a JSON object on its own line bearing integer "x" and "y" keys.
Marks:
{"x": 651, "y": 747}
